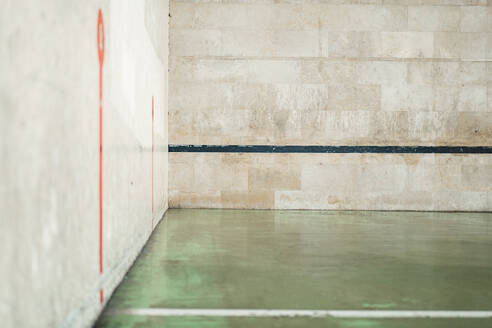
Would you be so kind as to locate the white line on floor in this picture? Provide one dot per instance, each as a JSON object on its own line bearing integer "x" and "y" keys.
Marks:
{"x": 376, "y": 314}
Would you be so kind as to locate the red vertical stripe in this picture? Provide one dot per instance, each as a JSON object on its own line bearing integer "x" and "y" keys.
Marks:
{"x": 100, "y": 50}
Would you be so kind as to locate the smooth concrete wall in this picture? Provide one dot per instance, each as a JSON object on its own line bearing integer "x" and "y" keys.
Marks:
{"x": 341, "y": 72}
{"x": 49, "y": 123}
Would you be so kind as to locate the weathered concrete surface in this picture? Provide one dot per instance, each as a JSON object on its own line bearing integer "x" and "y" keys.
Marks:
{"x": 49, "y": 123}
{"x": 226, "y": 259}
{"x": 341, "y": 72}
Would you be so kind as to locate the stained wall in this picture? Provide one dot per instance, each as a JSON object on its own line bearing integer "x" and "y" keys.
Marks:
{"x": 52, "y": 246}
{"x": 344, "y": 72}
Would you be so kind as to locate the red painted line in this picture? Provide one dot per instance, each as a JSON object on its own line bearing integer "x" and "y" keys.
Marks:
{"x": 100, "y": 50}
{"x": 152, "y": 162}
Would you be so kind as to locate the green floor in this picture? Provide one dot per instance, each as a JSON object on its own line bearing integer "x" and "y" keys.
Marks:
{"x": 315, "y": 260}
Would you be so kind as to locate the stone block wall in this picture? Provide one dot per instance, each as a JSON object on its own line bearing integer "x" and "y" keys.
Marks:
{"x": 341, "y": 72}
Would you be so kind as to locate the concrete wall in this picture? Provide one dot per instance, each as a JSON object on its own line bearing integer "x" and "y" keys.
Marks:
{"x": 49, "y": 162}
{"x": 341, "y": 72}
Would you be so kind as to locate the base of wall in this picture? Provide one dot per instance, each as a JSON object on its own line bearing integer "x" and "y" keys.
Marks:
{"x": 388, "y": 182}
{"x": 87, "y": 314}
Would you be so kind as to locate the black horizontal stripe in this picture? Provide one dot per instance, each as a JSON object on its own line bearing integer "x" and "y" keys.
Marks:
{"x": 316, "y": 149}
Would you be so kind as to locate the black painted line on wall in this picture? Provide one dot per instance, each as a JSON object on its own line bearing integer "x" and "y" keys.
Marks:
{"x": 330, "y": 149}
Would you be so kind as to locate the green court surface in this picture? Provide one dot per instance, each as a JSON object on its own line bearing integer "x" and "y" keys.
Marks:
{"x": 390, "y": 263}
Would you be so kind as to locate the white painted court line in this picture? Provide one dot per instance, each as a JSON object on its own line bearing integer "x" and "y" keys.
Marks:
{"x": 361, "y": 314}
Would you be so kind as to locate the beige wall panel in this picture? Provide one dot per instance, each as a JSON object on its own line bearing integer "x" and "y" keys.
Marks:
{"x": 188, "y": 42}
{"x": 407, "y": 97}
{"x": 253, "y": 71}
{"x": 350, "y": 44}
{"x": 363, "y": 18}
{"x": 335, "y": 181}
{"x": 447, "y": 73}
{"x": 274, "y": 178}
{"x": 433, "y": 18}
{"x": 474, "y": 19}
{"x": 475, "y": 128}
{"x": 407, "y": 44}
{"x": 183, "y": 199}
{"x": 477, "y": 177}
{"x": 270, "y": 43}
{"x": 454, "y": 45}
{"x": 461, "y": 98}
{"x": 382, "y": 72}
{"x": 433, "y": 126}
{"x": 489, "y": 97}
{"x": 247, "y": 200}
{"x": 245, "y": 16}
{"x": 335, "y": 72}
{"x": 488, "y": 55}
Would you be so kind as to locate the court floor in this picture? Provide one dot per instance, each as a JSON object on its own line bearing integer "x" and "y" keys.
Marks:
{"x": 252, "y": 268}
